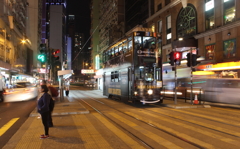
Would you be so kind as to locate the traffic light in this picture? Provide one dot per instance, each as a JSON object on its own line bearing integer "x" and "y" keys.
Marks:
{"x": 42, "y": 58}
{"x": 171, "y": 58}
{"x": 194, "y": 59}
{"x": 56, "y": 57}
{"x": 189, "y": 60}
{"x": 177, "y": 57}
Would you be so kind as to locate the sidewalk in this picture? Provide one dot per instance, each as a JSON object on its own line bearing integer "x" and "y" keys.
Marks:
{"x": 65, "y": 108}
{"x": 27, "y": 137}
{"x": 72, "y": 128}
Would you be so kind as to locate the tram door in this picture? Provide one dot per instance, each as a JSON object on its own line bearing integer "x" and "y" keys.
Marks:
{"x": 104, "y": 84}
{"x": 129, "y": 83}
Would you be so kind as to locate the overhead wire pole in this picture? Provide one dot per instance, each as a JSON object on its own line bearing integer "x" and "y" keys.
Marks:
{"x": 191, "y": 76}
{"x": 175, "y": 69}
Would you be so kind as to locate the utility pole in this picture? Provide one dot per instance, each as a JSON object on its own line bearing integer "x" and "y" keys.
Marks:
{"x": 191, "y": 76}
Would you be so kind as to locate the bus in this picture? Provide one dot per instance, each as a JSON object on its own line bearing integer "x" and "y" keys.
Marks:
{"x": 132, "y": 69}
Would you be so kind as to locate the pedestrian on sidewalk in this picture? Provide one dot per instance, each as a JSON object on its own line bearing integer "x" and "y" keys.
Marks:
{"x": 67, "y": 84}
{"x": 43, "y": 109}
{"x": 54, "y": 94}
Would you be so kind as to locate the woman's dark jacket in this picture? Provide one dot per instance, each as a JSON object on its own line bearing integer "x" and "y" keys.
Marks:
{"x": 43, "y": 103}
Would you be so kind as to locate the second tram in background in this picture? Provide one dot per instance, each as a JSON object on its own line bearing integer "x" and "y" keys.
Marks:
{"x": 132, "y": 69}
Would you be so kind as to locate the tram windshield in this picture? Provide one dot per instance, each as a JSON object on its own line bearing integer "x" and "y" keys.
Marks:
{"x": 149, "y": 74}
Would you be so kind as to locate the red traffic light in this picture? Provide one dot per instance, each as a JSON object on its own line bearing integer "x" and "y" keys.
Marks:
{"x": 177, "y": 55}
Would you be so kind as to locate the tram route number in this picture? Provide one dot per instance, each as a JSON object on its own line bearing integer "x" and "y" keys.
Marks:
{"x": 147, "y": 86}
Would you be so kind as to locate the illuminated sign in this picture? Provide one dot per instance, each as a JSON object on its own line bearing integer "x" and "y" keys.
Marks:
{"x": 42, "y": 70}
{"x": 97, "y": 64}
{"x": 209, "y": 5}
{"x": 221, "y": 66}
{"x": 169, "y": 36}
{"x": 87, "y": 71}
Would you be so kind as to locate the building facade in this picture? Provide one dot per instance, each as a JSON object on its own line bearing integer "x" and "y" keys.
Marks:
{"x": 20, "y": 24}
{"x": 212, "y": 24}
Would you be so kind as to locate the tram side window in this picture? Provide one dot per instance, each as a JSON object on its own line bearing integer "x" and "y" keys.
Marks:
{"x": 137, "y": 42}
{"x": 124, "y": 49}
{"x": 130, "y": 45}
{"x": 115, "y": 76}
{"x": 112, "y": 76}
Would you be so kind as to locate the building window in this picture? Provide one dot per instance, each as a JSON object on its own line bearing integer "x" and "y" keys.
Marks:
{"x": 229, "y": 11}
{"x": 159, "y": 7}
{"x": 209, "y": 14}
{"x": 169, "y": 27}
{"x": 167, "y": 2}
{"x": 187, "y": 22}
{"x": 160, "y": 26}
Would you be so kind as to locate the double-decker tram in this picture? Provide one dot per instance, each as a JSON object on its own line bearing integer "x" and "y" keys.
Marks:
{"x": 132, "y": 69}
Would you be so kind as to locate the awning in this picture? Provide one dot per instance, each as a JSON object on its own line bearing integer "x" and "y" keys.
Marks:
{"x": 65, "y": 73}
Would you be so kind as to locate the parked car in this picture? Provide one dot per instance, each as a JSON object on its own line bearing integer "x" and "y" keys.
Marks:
{"x": 21, "y": 91}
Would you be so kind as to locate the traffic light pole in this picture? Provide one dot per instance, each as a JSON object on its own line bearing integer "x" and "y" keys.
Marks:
{"x": 191, "y": 77}
{"x": 175, "y": 96}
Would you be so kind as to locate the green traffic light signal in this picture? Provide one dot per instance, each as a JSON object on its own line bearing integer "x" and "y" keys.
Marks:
{"x": 42, "y": 58}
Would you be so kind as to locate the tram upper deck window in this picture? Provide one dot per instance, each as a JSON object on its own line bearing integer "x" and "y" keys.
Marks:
{"x": 129, "y": 44}
{"x": 137, "y": 42}
{"x": 149, "y": 42}
{"x": 117, "y": 51}
{"x": 124, "y": 47}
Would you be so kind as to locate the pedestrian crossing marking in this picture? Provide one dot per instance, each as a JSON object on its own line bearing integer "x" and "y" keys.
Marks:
{"x": 231, "y": 110}
{"x": 192, "y": 128}
{"x": 91, "y": 137}
{"x": 215, "y": 113}
{"x": 201, "y": 123}
{"x": 209, "y": 117}
{"x": 124, "y": 137}
{"x": 7, "y": 126}
{"x": 147, "y": 133}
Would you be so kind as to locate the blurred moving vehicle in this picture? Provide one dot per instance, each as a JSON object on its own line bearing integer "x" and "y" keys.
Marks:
{"x": 21, "y": 91}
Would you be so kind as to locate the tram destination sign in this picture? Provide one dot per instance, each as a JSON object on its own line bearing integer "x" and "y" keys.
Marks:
{"x": 87, "y": 71}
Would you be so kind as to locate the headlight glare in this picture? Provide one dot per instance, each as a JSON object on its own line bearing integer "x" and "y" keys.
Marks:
{"x": 150, "y": 91}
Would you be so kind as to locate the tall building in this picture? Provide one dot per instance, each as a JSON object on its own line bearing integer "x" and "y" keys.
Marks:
{"x": 33, "y": 31}
{"x": 54, "y": 33}
{"x": 136, "y": 13}
{"x": 80, "y": 56}
{"x": 94, "y": 32}
{"x": 19, "y": 37}
{"x": 111, "y": 25}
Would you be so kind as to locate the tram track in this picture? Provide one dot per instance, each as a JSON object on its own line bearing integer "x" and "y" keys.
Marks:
{"x": 142, "y": 121}
{"x": 198, "y": 124}
{"x": 140, "y": 140}
{"x": 199, "y": 116}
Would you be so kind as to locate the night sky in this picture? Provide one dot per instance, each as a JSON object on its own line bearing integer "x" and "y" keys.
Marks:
{"x": 81, "y": 10}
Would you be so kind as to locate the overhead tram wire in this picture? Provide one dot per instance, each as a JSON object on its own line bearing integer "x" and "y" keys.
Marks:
{"x": 84, "y": 44}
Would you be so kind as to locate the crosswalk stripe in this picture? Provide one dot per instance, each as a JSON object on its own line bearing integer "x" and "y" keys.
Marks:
{"x": 147, "y": 133}
{"x": 216, "y": 113}
{"x": 89, "y": 135}
{"x": 201, "y": 123}
{"x": 179, "y": 134}
{"x": 209, "y": 117}
{"x": 192, "y": 128}
{"x": 124, "y": 137}
{"x": 7, "y": 126}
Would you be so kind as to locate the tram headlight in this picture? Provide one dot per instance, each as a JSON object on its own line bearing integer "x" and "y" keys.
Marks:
{"x": 150, "y": 91}
{"x": 135, "y": 93}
